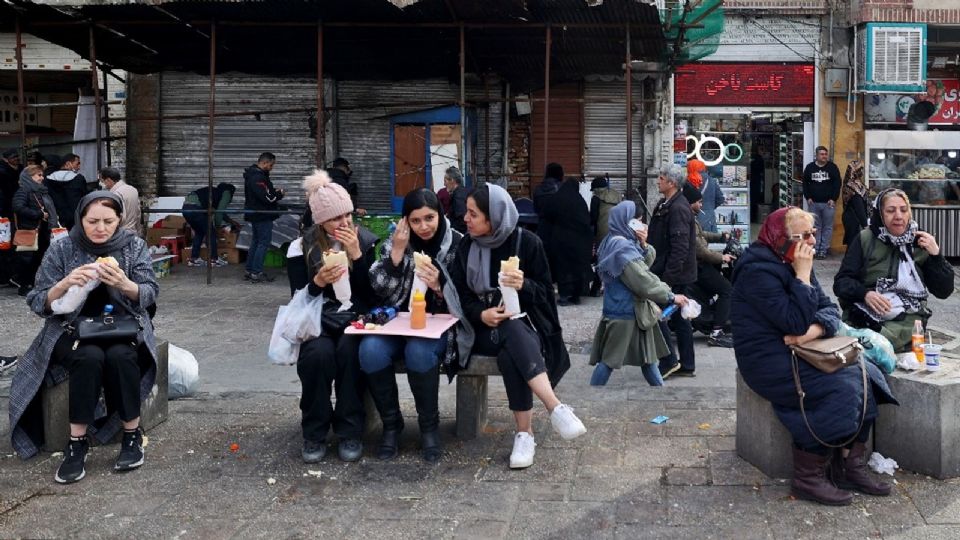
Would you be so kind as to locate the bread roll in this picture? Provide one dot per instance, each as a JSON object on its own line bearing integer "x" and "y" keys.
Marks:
{"x": 421, "y": 259}
{"x": 334, "y": 258}
{"x": 513, "y": 263}
{"x": 109, "y": 260}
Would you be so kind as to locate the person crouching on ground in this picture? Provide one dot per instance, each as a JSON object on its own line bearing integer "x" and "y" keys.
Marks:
{"x": 777, "y": 302}
{"x": 422, "y": 229}
{"x": 332, "y": 358}
{"x": 125, "y": 368}
{"x": 628, "y": 333}
{"x": 494, "y": 237}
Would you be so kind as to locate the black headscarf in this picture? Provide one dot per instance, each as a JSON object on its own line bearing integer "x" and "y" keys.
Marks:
{"x": 120, "y": 239}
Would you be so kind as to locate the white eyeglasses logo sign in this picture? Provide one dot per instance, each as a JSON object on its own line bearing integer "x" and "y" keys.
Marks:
{"x": 730, "y": 152}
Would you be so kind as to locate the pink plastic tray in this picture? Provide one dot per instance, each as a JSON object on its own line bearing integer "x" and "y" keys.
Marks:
{"x": 400, "y": 326}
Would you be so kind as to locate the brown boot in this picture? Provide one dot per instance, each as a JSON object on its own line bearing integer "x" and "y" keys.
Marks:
{"x": 852, "y": 473}
{"x": 810, "y": 480}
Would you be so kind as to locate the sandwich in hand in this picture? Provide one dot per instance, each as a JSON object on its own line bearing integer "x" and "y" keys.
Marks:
{"x": 334, "y": 258}
{"x": 513, "y": 263}
{"x": 109, "y": 260}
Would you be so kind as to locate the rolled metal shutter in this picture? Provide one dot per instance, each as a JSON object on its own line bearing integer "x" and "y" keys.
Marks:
{"x": 605, "y": 132}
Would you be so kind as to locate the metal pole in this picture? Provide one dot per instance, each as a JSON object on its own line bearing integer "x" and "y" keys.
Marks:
{"x": 486, "y": 130}
{"x": 321, "y": 115}
{"x": 96, "y": 97}
{"x": 106, "y": 125}
{"x": 546, "y": 101}
{"x": 211, "y": 108}
{"x": 20, "y": 98}
{"x": 629, "y": 77}
{"x": 463, "y": 100}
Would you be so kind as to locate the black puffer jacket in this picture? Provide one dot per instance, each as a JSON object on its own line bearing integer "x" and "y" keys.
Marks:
{"x": 673, "y": 234}
{"x": 260, "y": 194}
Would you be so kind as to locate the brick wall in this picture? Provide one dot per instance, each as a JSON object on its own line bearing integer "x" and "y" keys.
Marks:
{"x": 779, "y": 6}
{"x": 924, "y": 11}
{"x": 518, "y": 157}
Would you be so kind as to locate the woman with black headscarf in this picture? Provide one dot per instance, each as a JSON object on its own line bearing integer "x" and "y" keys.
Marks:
{"x": 33, "y": 209}
{"x": 97, "y": 250}
{"x": 529, "y": 349}
{"x": 571, "y": 241}
{"x": 423, "y": 229}
{"x": 889, "y": 270}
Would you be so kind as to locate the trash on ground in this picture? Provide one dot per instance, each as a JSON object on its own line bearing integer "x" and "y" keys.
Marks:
{"x": 882, "y": 465}
{"x": 234, "y": 448}
{"x": 318, "y": 474}
{"x": 271, "y": 481}
{"x": 704, "y": 426}
{"x": 660, "y": 419}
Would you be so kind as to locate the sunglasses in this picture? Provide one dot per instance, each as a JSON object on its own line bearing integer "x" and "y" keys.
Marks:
{"x": 812, "y": 233}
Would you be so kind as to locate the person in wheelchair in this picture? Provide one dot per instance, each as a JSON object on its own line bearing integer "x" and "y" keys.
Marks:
{"x": 710, "y": 282}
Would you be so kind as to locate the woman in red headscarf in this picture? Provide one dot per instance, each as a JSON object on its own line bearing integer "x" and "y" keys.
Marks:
{"x": 777, "y": 302}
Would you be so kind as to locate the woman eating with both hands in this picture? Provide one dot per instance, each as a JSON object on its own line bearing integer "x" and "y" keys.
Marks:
{"x": 629, "y": 332}
{"x": 422, "y": 243}
{"x": 890, "y": 270}
{"x": 516, "y": 342}
{"x": 778, "y": 302}
{"x": 331, "y": 248}
{"x": 124, "y": 367}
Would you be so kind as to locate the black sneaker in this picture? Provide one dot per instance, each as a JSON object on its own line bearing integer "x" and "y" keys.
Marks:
{"x": 131, "y": 451}
{"x": 23, "y": 290}
{"x": 720, "y": 339}
{"x": 350, "y": 449}
{"x": 7, "y": 362}
{"x": 246, "y": 275}
{"x": 685, "y": 373}
{"x": 664, "y": 373}
{"x": 260, "y": 277}
{"x": 313, "y": 451}
{"x": 71, "y": 470}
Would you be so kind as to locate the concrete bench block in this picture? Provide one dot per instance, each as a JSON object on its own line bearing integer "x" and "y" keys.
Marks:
{"x": 56, "y": 406}
{"x": 762, "y": 440}
{"x": 471, "y": 398}
{"x": 923, "y": 433}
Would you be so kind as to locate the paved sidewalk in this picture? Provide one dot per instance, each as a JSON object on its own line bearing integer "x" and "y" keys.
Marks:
{"x": 626, "y": 478}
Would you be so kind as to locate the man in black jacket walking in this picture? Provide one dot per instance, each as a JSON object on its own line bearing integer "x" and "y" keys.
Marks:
{"x": 260, "y": 195}
{"x": 673, "y": 234}
{"x": 821, "y": 187}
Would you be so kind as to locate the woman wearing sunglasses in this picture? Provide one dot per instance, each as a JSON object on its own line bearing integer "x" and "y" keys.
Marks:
{"x": 777, "y": 302}
{"x": 889, "y": 272}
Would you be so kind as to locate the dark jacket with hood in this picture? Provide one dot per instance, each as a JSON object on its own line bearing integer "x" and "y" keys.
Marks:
{"x": 458, "y": 209}
{"x": 9, "y": 182}
{"x": 260, "y": 194}
{"x": 30, "y": 202}
{"x": 571, "y": 242}
{"x": 66, "y": 189}
{"x": 343, "y": 179}
{"x": 673, "y": 234}
{"x": 768, "y": 303}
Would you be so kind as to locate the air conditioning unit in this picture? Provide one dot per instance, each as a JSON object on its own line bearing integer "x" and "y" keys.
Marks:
{"x": 892, "y": 58}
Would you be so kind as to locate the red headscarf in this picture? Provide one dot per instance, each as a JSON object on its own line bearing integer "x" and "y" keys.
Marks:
{"x": 694, "y": 168}
{"x": 773, "y": 233}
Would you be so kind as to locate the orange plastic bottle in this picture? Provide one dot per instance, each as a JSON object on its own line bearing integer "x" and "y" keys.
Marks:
{"x": 917, "y": 340}
{"x": 418, "y": 311}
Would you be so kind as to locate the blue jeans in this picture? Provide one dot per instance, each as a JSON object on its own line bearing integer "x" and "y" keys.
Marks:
{"x": 823, "y": 212}
{"x": 420, "y": 355}
{"x": 601, "y": 374}
{"x": 198, "y": 222}
{"x": 262, "y": 233}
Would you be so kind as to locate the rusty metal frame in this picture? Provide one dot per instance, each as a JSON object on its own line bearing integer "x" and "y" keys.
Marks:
{"x": 546, "y": 99}
{"x": 211, "y": 108}
{"x": 321, "y": 112}
{"x": 20, "y": 97}
{"x": 94, "y": 75}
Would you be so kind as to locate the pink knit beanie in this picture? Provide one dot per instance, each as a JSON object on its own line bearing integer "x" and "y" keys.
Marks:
{"x": 327, "y": 199}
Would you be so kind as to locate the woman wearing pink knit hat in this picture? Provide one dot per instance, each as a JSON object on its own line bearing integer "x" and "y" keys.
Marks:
{"x": 332, "y": 357}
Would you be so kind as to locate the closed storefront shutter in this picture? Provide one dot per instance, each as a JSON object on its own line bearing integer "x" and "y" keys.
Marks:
{"x": 605, "y": 132}
{"x": 565, "y": 141}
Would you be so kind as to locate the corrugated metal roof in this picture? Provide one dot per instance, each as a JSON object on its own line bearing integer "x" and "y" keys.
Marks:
{"x": 149, "y": 36}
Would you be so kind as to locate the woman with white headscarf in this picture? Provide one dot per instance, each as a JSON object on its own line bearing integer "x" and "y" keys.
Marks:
{"x": 889, "y": 271}
{"x": 519, "y": 343}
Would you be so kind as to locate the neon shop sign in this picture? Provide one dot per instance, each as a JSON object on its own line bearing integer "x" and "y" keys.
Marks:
{"x": 715, "y": 147}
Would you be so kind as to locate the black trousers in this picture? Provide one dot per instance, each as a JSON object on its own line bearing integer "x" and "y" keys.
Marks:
{"x": 113, "y": 367}
{"x": 684, "y": 332}
{"x": 711, "y": 282}
{"x": 323, "y": 362}
{"x": 517, "y": 348}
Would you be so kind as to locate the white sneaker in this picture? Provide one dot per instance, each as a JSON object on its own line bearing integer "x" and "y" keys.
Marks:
{"x": 566, "y": 423}
{"x": 196, "y": 262}
{"x": 524, "y": 448}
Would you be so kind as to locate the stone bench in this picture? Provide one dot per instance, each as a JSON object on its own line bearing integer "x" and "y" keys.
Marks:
{"x": 56, "y": 406}
{"x": 471, "y": 397}
{"x": 923, "y": 433}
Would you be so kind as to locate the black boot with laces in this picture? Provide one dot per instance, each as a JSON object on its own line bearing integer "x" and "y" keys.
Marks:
{"x": 131, "y": 451}
{"x": 71, "y": 470}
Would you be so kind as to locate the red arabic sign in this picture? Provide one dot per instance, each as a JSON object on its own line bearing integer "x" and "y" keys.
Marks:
{"x": 745, "y": 84}
{"x": 893, "y": 108}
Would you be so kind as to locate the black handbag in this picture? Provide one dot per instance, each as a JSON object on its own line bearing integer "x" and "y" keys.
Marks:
{"x": 335, "y": 322}
{"x": 115, "y": 328}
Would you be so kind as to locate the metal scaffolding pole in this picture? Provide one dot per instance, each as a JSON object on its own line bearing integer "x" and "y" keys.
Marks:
{"x": 463, "y": 101}
{"x": 21, "y": 102}
{"x": 321, "y": 115}
{"x": 211, "y": 108}
{"x": 106, "y": 125}
{"x": 546, "y": 100}
{"x": 98, "y": 114}
{"x": 629, "y": 78}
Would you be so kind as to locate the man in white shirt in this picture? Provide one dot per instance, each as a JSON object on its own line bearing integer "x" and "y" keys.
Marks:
{"x": 110, "y": 177}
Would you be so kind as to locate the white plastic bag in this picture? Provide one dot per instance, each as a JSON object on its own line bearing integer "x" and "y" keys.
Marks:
{"x": 691, "y": 310}
{"x": 73, "y": 298}
{"x": 882, "y": 465}
{"x": 282, "y": 351}
{"x": 183, "y": 371}
{"x": 302, "y": 318}
{"x": 908, "y": 361}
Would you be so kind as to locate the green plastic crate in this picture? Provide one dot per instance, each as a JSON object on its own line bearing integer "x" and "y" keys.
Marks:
{"x": 274, "y": 259}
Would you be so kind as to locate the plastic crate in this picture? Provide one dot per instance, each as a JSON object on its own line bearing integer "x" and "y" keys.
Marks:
{"x": 274, "y": 259}
{"x": 162, "y": 265}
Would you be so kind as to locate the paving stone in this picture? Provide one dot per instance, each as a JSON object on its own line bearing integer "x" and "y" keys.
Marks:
{"x": 572, "y": 519}
{"x": 688, "y": 476}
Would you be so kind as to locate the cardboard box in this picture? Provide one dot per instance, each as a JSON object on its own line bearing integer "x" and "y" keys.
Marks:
{"x": 174, "y": 222}
{"x": 154, "y": 235}
{"x": 231, "y": 255}
{"x": 226, "y": 240}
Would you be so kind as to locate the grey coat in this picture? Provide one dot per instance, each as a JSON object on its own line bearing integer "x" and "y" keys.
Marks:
{"x": 34, "y": 367}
